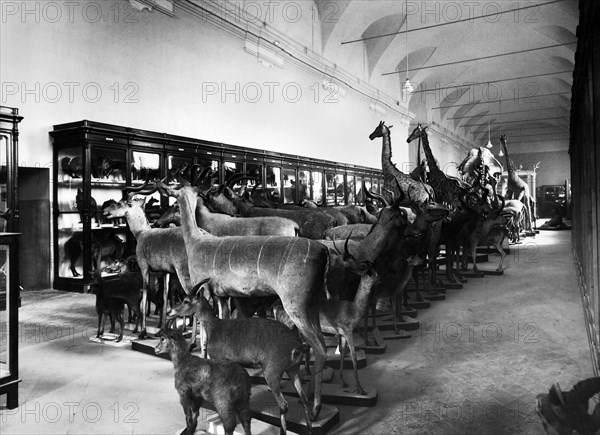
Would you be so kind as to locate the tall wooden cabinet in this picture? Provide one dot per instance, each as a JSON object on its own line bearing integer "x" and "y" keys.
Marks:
{"x": 9, "y": 255}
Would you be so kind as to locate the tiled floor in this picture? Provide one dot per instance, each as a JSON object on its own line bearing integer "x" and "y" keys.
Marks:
{"x": 475, "y": 366}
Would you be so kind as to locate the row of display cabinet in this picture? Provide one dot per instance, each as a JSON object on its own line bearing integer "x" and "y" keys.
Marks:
{"x": 94, "y": 161}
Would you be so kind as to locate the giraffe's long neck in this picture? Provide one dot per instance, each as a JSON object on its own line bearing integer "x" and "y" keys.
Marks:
{"x": 510, "y": 165}
{"x": 386, "y": 152}
{"x": 428, "y": 154}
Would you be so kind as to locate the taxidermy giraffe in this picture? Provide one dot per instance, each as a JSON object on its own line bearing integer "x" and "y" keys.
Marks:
{"x": 420, "y": 193}
{"x": 517, "y": 188}
{"x": 447, "y": 190}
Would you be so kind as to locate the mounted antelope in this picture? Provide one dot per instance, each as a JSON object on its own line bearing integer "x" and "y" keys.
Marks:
{"x": 292, "y": 268}
{"x": 341, "y": 318}
{"x": 157, "y": 250}
{"x": 312, "y": 223}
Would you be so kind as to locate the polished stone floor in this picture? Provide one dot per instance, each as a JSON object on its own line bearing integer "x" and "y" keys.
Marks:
{"x": 475, "y": 366}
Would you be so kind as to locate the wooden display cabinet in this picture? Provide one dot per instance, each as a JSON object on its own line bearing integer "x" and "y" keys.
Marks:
{"x": 10, "y": 297}
{"x": 93, "y": 162}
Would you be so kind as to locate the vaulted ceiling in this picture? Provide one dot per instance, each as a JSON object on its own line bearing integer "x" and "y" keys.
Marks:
{"x": 511, "y": 72}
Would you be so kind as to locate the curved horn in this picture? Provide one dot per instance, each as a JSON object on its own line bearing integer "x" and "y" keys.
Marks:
{"x": 347, "y": 253}
{"x": 335, "y": 246}
{"x": 234, "y": 179}
{"x": 370, "y": 194}
{"x": 133, "y": 189}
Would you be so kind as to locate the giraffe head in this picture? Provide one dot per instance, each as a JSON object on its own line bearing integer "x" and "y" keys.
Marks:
{"x": 503, "y": 138}
{"x": 417, "y": 133}
{"x": 380, "y": 131}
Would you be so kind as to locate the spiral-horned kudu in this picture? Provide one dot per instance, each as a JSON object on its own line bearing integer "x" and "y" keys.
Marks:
{"x": 292, "y": 268}
{"x": 157, "y": 250}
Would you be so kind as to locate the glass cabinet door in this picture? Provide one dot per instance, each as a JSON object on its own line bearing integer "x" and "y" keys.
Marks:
{"x": 330, "y": 186}
{"x": 4, "y": 312}
{"x": 360, "y": 197}
{"x": 340, "y": 189}
{"x": 231, "y": 169}
{"x": 289, "y": 185}
{"x": 273, "y": 183}
{"x": 144, "y": 165}
{"x": 303, "y": 184}
{"x": 317, "y": 186}
{"x": 178, "y": 167}
{"x": 350, "y": 185}
{"x": 70, "y": 203}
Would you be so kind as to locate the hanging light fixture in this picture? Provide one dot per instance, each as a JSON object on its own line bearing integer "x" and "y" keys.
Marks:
{"x": 408, "y": 87}
{"x": 501, "y": 154}
{"x": 489, "y": 144}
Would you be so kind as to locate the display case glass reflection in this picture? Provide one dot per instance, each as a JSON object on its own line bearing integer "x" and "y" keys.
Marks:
{"x": 303, "y": 184}
{"x": 360, "y": 196}
{"x": 289, "y": 185}
{"x": 317, "y": 186}
{"x": 4, "y": 312}
{"x": 273, "y": 183}
{"x": 144, "y": 166}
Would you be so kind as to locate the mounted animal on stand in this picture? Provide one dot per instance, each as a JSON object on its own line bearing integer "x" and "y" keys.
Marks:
{"x": 224, "y": 384}
{"x": 170, "y": 216}
{"x": 476, "y": 159}
{"x": 341, "y": 318}
{"x": 517, "y": 188}
{"x": 312, "y": 224}
{"x": 462, "y": 222}
{"x": 448, "y": 191}
{"x": 93, "y": 211}
{"x": 355, "y": 214}
{"x": 421, "y": 192}
{"x": 470, "y": 239}
{"x": 516, "y": 214}
{"x": 251, "y": 342}
{"x": 126, "y": 287}
{"x": 103, "y": 245}
{"x": 293, "y": 268}
{"x": 157, "y": 250}
{"x": 219, "y": 224}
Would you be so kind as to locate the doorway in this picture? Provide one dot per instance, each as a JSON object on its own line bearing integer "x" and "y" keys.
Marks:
{"x": 34, "y": 224}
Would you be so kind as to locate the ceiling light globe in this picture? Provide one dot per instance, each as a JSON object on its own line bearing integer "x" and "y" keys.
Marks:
{"x": 408, "y": 87}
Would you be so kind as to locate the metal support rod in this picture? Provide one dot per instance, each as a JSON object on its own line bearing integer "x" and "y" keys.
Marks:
{"x": 491, "y": 56}
{"x": 450, "y": 23}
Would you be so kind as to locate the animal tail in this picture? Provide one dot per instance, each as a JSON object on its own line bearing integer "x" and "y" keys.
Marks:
{"x": 298, "y": 353}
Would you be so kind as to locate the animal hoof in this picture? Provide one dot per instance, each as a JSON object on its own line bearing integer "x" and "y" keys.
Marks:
{"x": 119, "y": 339}
{"x": 143, "y": 335}
{"x": 360, "y": 391}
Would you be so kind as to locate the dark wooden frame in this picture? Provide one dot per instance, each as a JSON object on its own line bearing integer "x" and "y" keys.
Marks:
{"x": 584, "y": 150}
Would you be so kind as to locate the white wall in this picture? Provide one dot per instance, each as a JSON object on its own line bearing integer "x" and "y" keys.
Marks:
{"x": 164, "y": 67}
